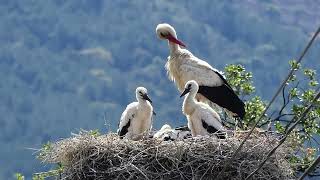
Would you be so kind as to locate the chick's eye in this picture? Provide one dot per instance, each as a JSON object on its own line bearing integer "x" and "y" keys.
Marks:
{"x": 189, "y": 86}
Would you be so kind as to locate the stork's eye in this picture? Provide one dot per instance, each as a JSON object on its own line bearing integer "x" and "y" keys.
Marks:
{"x": 162, "y": 34}
{"x": 189, "y": 86}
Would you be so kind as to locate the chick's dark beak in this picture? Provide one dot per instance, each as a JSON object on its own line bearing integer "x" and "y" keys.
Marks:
{"x": 146, "y": 97}
{"x": 187, "y": 90}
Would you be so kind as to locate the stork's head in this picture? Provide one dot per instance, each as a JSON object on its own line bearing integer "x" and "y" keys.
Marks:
{"x": 191, "y": 86}
{"x": 142, "y": 94}
{"x": 165, "y": 31}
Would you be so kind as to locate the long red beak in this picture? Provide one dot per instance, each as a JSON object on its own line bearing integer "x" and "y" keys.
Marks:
{"x": 174, "y": 40}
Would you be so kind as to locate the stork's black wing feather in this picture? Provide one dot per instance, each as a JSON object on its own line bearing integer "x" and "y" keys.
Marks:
{"x": 209, "y": 128}
{"x": 224, "y": 97}
{"x": 223, "y": 79}
{"x": 124, "y": 129}
{"x": 212, "y": 129}
{"x": 182, "y": 128}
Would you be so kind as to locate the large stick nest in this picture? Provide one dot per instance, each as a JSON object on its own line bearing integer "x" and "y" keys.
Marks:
{"x": 85, "y": 156}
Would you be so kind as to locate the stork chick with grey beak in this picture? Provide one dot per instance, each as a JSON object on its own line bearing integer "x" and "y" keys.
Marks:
{"x": 135, "y": 121}
{"x": 182, "y": 66}
{"x": 202, "y": 119}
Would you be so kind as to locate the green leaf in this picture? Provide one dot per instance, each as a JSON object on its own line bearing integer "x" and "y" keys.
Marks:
{"x": 313, "y": 83}
{"x": 294, "y": 93}
{"x": 308, "y": 95}
{"x": 294, "y": 65}
{"x": 310, "y": 73}
{"x": 94, "y": 133}
{"x": 239, "y": 79}
{"x": 19, "y": 176}
{"x": 292, "y": 78}
{"x": 279, "y": 127}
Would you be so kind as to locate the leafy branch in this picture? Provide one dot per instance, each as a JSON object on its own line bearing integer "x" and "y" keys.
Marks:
{"x": 297, "y": 93}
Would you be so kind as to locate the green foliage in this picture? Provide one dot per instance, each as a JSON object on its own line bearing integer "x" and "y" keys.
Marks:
{"x": 311, "y": 75}
{"x": 95, "y": 132}
{"x": 239, "y": 79}
{"x": 45, "y": 148}
{"x": 301, "y": 92}
{"x": 254, "y": 109}
{"x": 303, "y": 160}
{"x": 279, "y": 127}
{"x": 294, "y": 92}
{"x": 19, "y": 176}
{"x": 297, "y": 94}
{"x": 294, "y": 65}
{"x": 55, "y": 172}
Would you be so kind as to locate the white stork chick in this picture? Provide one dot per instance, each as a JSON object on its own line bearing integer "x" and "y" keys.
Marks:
{"x": 136, "y": 120}
{"x": 202, "y": 119}
{"x": 183, "y": 66}
{"x": 166, "y": 133}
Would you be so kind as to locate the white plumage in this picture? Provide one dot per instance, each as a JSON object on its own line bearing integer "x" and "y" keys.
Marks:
{"x": 202, "y": 119}
{"x": 136, "y": 120}
{"x": 166, "y": 133}
{"x": 183, "y": 66}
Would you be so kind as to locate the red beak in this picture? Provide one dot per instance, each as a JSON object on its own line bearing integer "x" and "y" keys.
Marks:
{"x": 174, "y": 40}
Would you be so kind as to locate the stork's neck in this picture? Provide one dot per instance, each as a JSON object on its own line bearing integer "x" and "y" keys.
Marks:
{"x": 173, "y": 47}
{"x": 141, "y": 101}
{"x": 189, "y": 103}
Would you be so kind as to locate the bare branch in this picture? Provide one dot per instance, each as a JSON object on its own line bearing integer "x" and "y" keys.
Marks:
{"x": 311, "y": 168}
{"x": 285, "y": 137}
{"x": 270, "y": 103}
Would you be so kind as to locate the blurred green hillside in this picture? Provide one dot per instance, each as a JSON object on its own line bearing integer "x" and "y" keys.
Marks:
{"x": 66, "y": 65}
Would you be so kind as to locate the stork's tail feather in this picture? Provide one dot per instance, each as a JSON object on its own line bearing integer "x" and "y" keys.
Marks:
{"x": 224, "y": 97}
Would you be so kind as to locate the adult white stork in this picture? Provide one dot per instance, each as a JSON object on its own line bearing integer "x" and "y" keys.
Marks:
{"x": 136, "y": 120}
{"x": 183, "y": 66}
{"x": 202, "y": 119}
